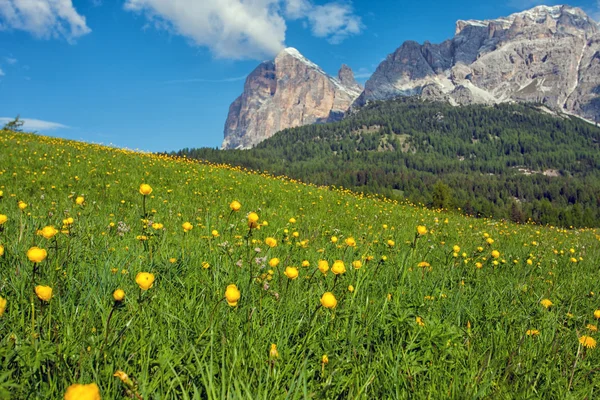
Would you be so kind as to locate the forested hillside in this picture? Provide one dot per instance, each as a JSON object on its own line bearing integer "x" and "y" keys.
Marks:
{"x": 506, "y": 161}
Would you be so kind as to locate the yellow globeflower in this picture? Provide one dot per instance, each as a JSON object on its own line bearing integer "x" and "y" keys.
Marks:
{"x": 305, "y": 263}
{"x": 273, "y": 262}
{"x": 273, "y": 353}
{"x": 490, "y": 241}
{"x": 391, "y": 243}
{"x": 235, "y": 205}
{"x": 145, "y": 189}
{"x": 145, "y": 280}
{"x": 334, "y": 239}
{"x": 187, "y": 226}
{"x": 79, "y": 200}
{"x": 271, "y": 242}
{"x": 79, "y": 391}
{"x": 350, "y": 242}
{"x": 456, "y": 248}
{"x": 421, "y": 230}
{"x": 495, "y": 254}
{"x": 292, "y": 220}
{"x": 49, "y": 232}
{"x": 328, "y": 300}
{"x": 3, "y": 219}
{"x": 546, "y": 303}
{"x": 1, "y": 250}
{"x": 587, "y": 341}
{"x": 323, "y": 266}
{"x": 325, "y": 359}
{"x": 338, "y": 267}
{"x": 532, "y": 332}
{"x": 43, "y": 292}
{"x": 119, "y": 295}
{"x": 36, "y": 255}
{"x": 291, "y": 272}
{"x": 232, "y": 295}
{"x": 351, "y": 288}
{"x": 597, "y": 314}
{"x": 252, "y": 220}
{"x": 357, "y": 264}
{"x": 2, "y": 305}
{"x": 22, "y": 205}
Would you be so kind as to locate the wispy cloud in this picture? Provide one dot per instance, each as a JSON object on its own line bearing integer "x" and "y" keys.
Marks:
{"x": 242, "y": 29}
{"x": 2, "y": 72}
{"x": 202, "y": 80}
{"x": 43, "y": 18}
{"x": 35, "y": 124}
{"x": 10, "y": 60}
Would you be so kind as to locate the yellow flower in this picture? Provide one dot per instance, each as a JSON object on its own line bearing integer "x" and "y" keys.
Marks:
{"x": 215, "y": 233}
{"x": 78, "y": 391}
{"x": 334, "y": 239}
{"x": 490, "y": 241}
{"x": 305, "y": 263}
{"x": 79, "y": 200}
{"x": 43, "y": 292}
{"x": 1, "y": 250}
{"x": 36, "y": 255}
{"x": 252, "y": 220}
{"x": 338, "y": 267}
{"x": 273, "y": 353}
{"x": 145, "y": 280}
{"x": 391, "y": 243}
{"x": 49, "y": 232}
{"x": 187, "y": 226}
{"x": 597, "y": 314}
{"x": 123, "y": 377}
{"x": 592, "y": 328}
{"x": 587, "y": 341}
{"x": 328, "y": 300}
{"x": 235, "y": 205}
{"x": 423, "y": 264}
{"x": 325, "y": 359}
{"x": 2, "y": 305}
{"x": 532, "y": 332}
{"x": 495, "y": 254}
{"x": 478, "y": 265}
{"x": 157, "y": 226}
{"x": 351, "y": 288}
{"x": 145, "y": 189}
{"x": 419, "y": 321}
{"x": 291, "y": 272}
{"x": 119, "y": 295}
{"x": 350, "y": 242}
{"x": 273, "y": 262}
{"x": 323, "y": 266}
{"x": 546, "y": 303}
{"x": 22, "y": 205}
{"x": 205, "y": 265}
{"x": 3, "y": 219}
{"x": 456, "y": 248}
{"x": 292, "y": 220}
{"x": 357, "y": 264}
{"x": 271, "y": 242}
{"x": 421, "y": 230}
{"x": 232, "y": 295}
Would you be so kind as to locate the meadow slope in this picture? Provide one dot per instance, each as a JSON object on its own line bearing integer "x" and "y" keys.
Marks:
{"x": 467, "y": 308}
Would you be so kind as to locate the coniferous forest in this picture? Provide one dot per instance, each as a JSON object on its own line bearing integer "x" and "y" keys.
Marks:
{"x": 509, "y": 161}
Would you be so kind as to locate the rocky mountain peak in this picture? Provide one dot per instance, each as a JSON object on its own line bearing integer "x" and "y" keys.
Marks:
{"x": 287, "y": 92}
{"x": 545, "y": 54}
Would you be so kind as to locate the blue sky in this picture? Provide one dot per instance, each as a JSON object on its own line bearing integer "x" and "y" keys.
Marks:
{"x": 159, "y": 75}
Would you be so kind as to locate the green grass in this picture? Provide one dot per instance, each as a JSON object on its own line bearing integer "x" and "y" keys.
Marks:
{"x": 181, "y": 340}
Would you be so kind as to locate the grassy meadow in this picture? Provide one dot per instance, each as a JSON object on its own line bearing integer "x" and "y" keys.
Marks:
{"x": 337, "y": 295}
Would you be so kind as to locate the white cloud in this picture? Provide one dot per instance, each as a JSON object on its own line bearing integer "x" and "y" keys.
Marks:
{"x": 43, "y": 18}
{"x": 10, "y": 60}
{"x": 2, "y": 72}
{"x": 240, "y": 29}
{"x": 35, "y": 124}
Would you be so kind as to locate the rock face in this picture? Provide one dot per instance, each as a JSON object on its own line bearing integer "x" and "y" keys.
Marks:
{"x": 287, "y": 92}
{"x": 549, "y": 55}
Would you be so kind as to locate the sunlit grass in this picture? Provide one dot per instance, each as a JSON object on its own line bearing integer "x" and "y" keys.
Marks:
{"x": 362, "y": 297}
